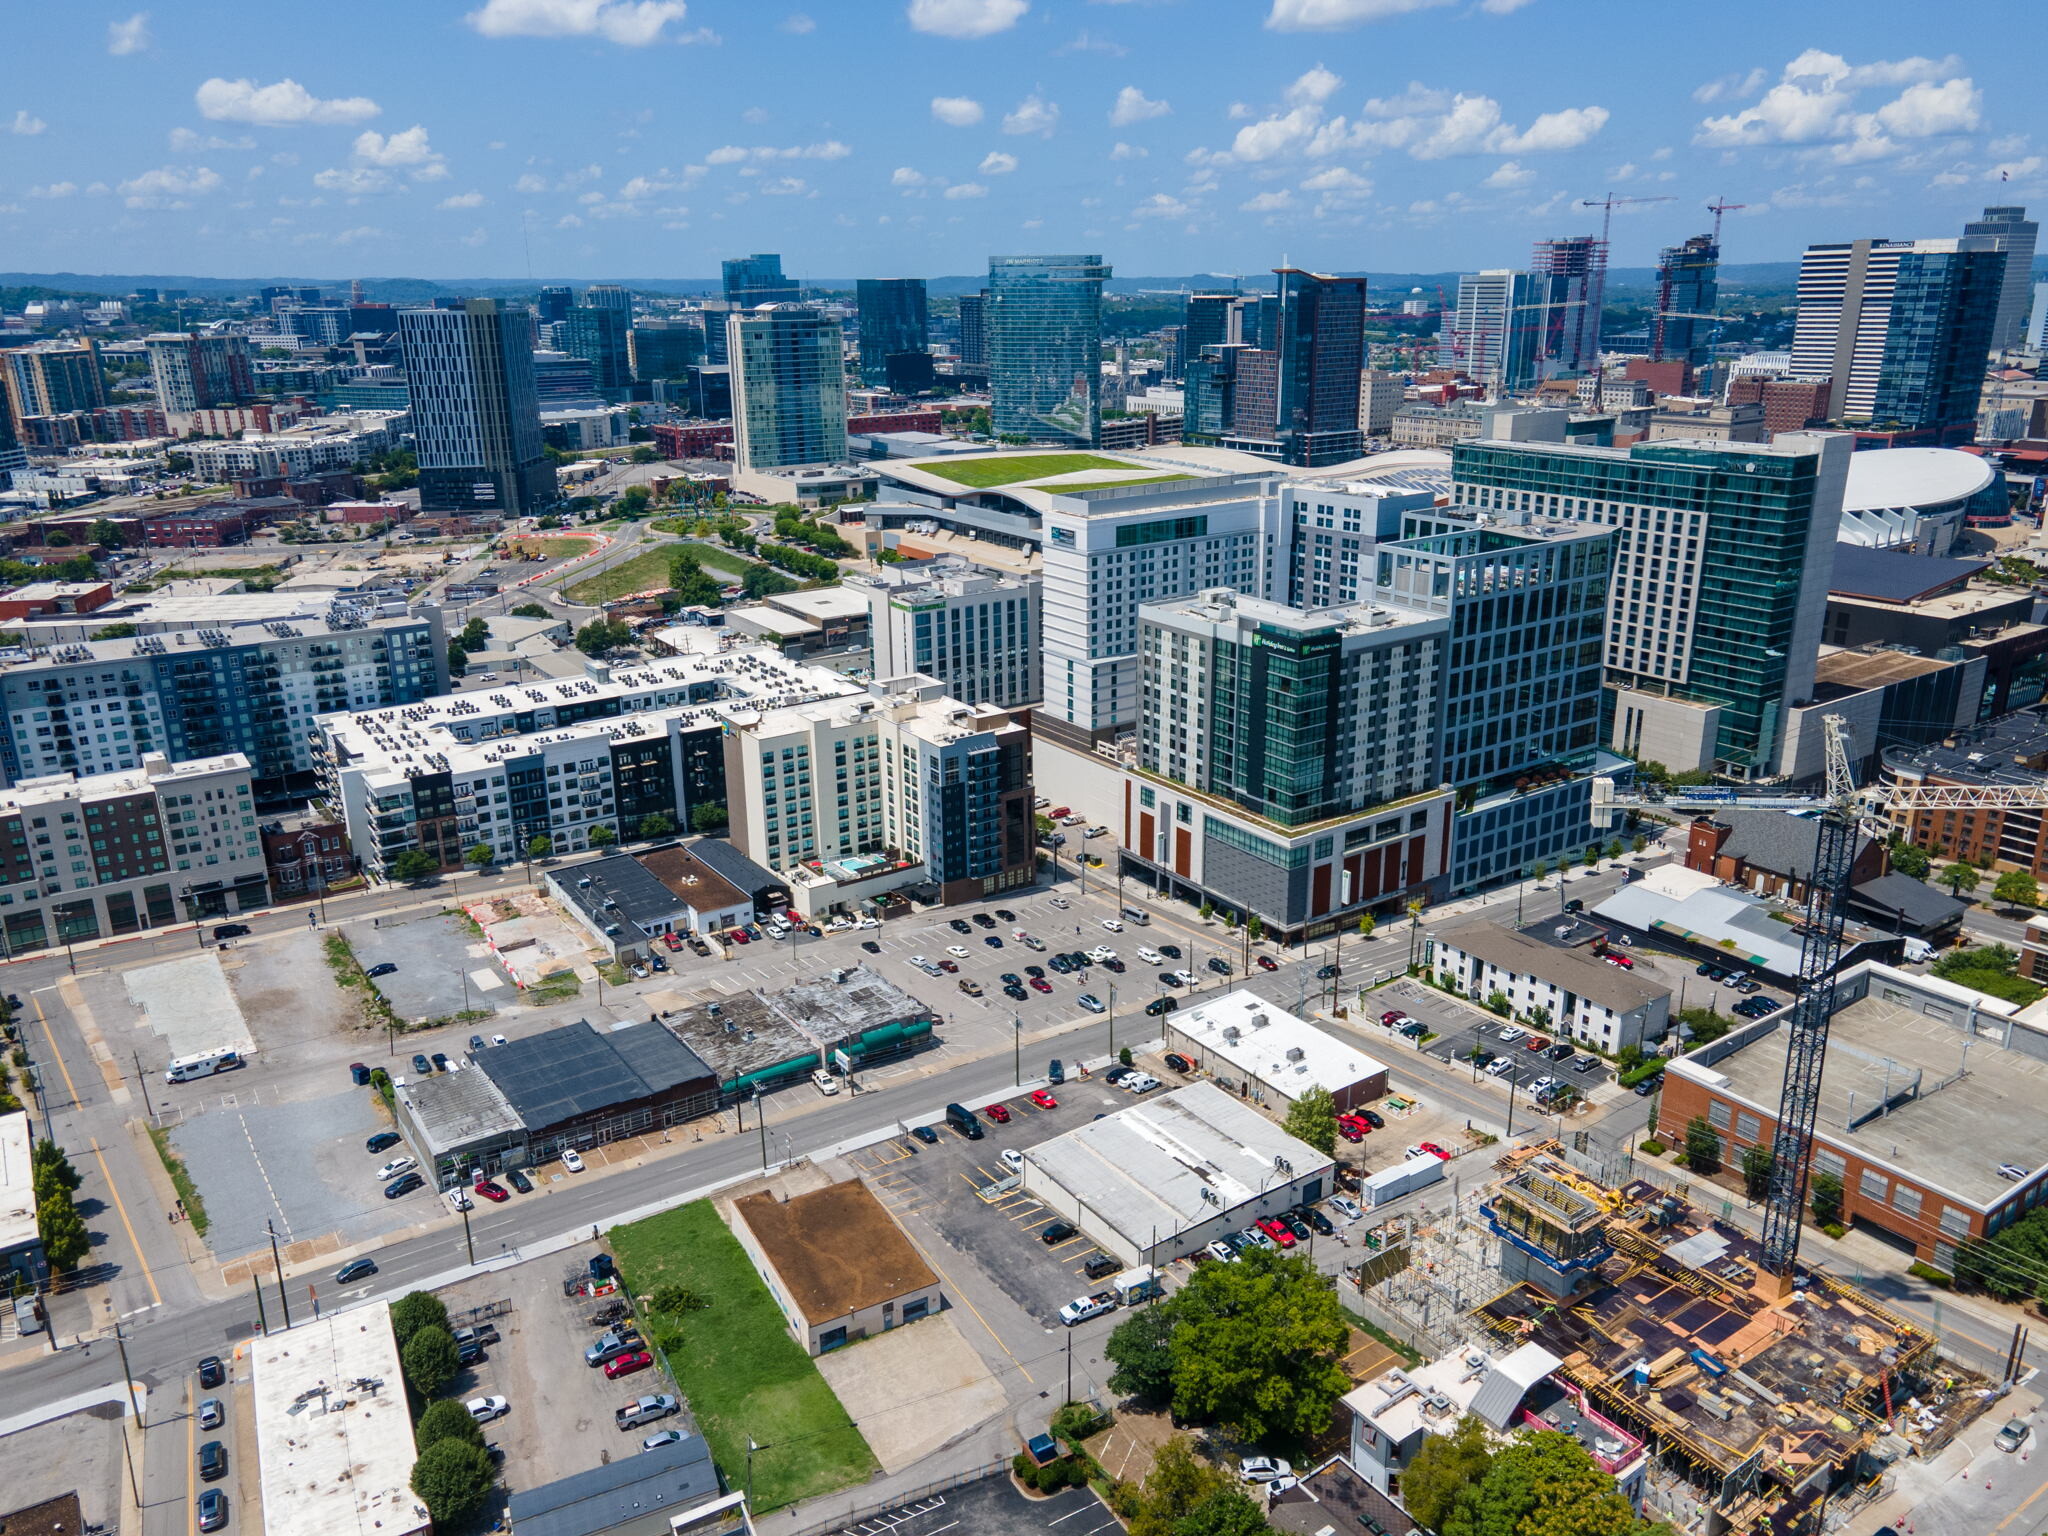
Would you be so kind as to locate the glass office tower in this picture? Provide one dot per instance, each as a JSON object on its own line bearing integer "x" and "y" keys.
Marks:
{"x": 1688, "y": 286}
{"x": 788, "y": 387}
{"x": 758, "y": 279}
{"x": 475, "y": 413}
{"x": 598, "y": 334}
{"x": 893, "y": 323}
{"x": 1044, "y": 322}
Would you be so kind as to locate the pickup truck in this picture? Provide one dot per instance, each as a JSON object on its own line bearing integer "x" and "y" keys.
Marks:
{"x": 610, "y": 1346}
{"x": 1085, "y": 1307}
{"x": 483, "y": 1333}
{"x": 645, "y": 1410}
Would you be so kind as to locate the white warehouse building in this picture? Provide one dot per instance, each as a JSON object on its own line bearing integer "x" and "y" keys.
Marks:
{"x": 1258, "y": 1049}
{"x": 1170, "y": 1175}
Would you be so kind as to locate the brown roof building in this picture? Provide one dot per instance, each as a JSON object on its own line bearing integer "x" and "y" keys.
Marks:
{"x": 836, "y": 1263}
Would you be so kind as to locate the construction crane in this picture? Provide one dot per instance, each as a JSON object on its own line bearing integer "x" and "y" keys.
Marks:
{"x": 1609, "y": 203}
{"x": 1717, "y": 208}
{"x": 1850, "y": 813}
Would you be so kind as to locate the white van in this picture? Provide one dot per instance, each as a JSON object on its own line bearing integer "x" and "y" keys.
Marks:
{"x": 184, "y": 1069}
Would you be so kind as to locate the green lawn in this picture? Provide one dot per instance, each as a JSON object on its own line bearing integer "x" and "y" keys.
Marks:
{"x": 716, "y": 557}
{"x": 743, "y": 1374}
{"x": 645, "y": 572}
{"x": 1011, "y": 468}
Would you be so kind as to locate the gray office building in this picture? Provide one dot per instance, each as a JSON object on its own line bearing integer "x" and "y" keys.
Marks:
{"x": 476, "y": 417}
{"x": 757, "y": 279}
{"x": 2008, "y": 229}
{"x": 788, "y": 387}
{"x": 1044, "y": 322}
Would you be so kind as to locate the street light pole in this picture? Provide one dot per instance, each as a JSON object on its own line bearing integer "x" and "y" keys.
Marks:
{"x": 761, "y": 1115}
{"x": 467, "y": 1241}
{"x": 1016, "y": 1050}
{"x": 283, "y": 1300}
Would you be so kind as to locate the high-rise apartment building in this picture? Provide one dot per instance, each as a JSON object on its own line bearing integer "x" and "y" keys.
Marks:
{"x": 973, "y": 627}
{"x": 750, "y": 281}
{"x": 475, "y": 413}
{"x": 1569, "y": 279}
{"x": 48, "y": 379}
{"x": 1296, "y": 395}
{"x": 893, "y": 325}
{"x": 608, "y": 296}
{"x": 1722, "y": 558}
{"x": 1380, "y": 394}
{"x": 1688, "y": 287}
{"x": 2008, "y": 229}
{"x": 194, "y": 372}
{"x": 788, "y": 386}
{"x": 555, "y": 303}
{"x": 598, "y": 332}
{"x": 974, "y": 330}
{"x": 1492, "y": 334}
{"x": 1899, "y": 329}
{"x": 1044, "y": 319}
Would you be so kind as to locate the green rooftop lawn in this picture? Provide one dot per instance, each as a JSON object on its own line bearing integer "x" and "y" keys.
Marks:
{"x": 1009, "y": 469}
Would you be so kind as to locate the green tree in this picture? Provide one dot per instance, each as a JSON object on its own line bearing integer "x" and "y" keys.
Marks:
{"x": 1639, "y": 842}
{"x": 106, "y": 533}
{"x": 1313, "y": 1118}
{"x": 120, "y": 631}
{"x": 481, "y": 855}
{"x": 416, "y": 1310}
{"x": 1178, "y": 1484}
{"x": 644, "y": 455}
{"x": 1141, "y": 1350}
{"x": 708, "y": 816}
{"x": 446, "y": 1419}
{"x": 1541, "y": 1484}
{"x": 539, "y": 847}
{"x": 531, "y": 611}
{"x": 57, "y": 538}
{"x": 692, "y": 584}
{"x": 475, "y": 636}
{"x": 453, "y": 1479}
{"x": 1366, "y": 923}
{"x": 1255, "y": 927}
{"x": 1911, "y": 862}
{"x": 1257, "y": 1347}
{"x": 603, "y": 835}
{"x": 1497, "y": 1002}
{"x": 655, "y": 824}
{"x": 414, "y": 864}
{"x": 1961, "y": 879}
{"x": 1613, "y": 849}
{"x": 677, "y": 1299}
{"x": 759, "y": 581}
{"x": 633, "y": 501}
{"x": 1757, "y": 1163}
{"x": 1702, "y": 1146}
{"x": 1445, "y": 1465}
{"x": 601, "y": 636}
{"x": 62, "y": 1229}
{"x": 1229, "y": 1512}
{"x": 2017, "y": 888}
{"x": 1826, "y": 1193}
{"x": 48, "y": 1159}
{"x": 430, "y": 1360}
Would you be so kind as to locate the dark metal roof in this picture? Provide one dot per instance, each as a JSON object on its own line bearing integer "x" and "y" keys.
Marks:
{"x": 1775, "y": 841}
{"x": 1889, "y": 576}
{"x": 641, "y": 899}
{"x": 674, "y": 1477}
{"x": 574, "y": 1071}
{"x": 729, "y": 864}
{"x": 1885, "y": 898}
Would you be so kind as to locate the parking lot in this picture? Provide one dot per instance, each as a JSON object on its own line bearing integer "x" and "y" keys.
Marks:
{"x": 990, "y": 1507}
{"x": 561, "y": 1416}
{"x": 443, "y": 968}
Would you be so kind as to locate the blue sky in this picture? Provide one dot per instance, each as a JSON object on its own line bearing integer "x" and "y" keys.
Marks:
{"x": 599, "y": 138}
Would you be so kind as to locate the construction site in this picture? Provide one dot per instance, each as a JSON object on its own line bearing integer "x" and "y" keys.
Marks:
{"x": 1766, "y": 1402}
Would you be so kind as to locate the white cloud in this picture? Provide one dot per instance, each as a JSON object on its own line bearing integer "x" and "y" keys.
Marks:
{"x": 956, "y": 111}
{"x": 1816, "y": 98}
{"x": 25, "y": 124}
{"x": 167, "y": 187}
{"x": 1133, "y": 106}
{"x": 1275, "y": 136}
{"x": 906, "y": 176}
{"x": 734, "y": 154}
{"x": 1087, "y": 42}
{"x": 1125, "y": 151}
{"x": 1316, "y": 86}
{"x": 353, "y": 181}
{"x": 185, "y": 142}
{"x": 2015, "y": 170}
{"x": 1162, "y": 206}
{"x": 996, "y": 163}
{"x": 1736, "y": 87}
{"x": 1416, "y": 101}
{"x": 360, "y": 232}
{"x": 276, "y": 106}
{"x": 1336, "y": 179}
{"x": 754, "y": 115}
{"x": 1553, "y": 131}
{"x": 1268, "y": 202}
{"x": 965, "y": 18}
{"x": 1509, "y": 174}
{"x": 130, "y": 36}
{"x": 464, "y": 200}
{"x": 476, "y": 237}
{"x": 967, "y": 189}
{"x": 409, "y": 148}
{"x": 1332, "y": 15}
{"x": 632, "y": 23}
{"x": 54, "y": 189}
{"x": 1503, "y": 7}
{"x": 798, "y": 24}
{"x": 1033, "y": 114}
{"x": 530, "y": 183}
{"x": 785, "y": 186}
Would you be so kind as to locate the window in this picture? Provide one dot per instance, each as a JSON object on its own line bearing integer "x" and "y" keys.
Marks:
{"x": 1906, "y": 1199}
{"x": 1873, "y": 1185}
{"x": 1718, "y": 1115}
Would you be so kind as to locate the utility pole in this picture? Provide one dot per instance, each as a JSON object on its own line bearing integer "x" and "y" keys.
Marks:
{"x": 142, "y": 1079}
{"x": 121, "y": 1344}
{"x": 262, "y": 1321}
{"x": 467, "y": 1241}
{"x": 1112, "y": 1021}
{"x": 283, "y": 1300}
{"x": 1016, "y": 1050}
{"x": 761, "y": 1114}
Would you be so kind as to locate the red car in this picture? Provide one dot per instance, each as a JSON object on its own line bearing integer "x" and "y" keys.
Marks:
{"x": 1060, "y": 810}
{"x": 1000, "y": 1113}
{"x": 739, "y": 936}
{"x": 1537, "y": 1043}
{"x": 948, "y": 965}
{"x": 1351, "y": 1128}
{"x": 1276, "y": 1230}
{"x": 493, "y": 1192}
{"x": 1621, "y": 960}
{"x": 672, "y": 941}
{"x": 1434, "y": 1150}
{"x": 1040, "y": 984}
{"x": 1393, "y": 1016}
{"x": 626, "y": 1365}
{"x": 1268, "y": 963}
{"x": 1044, "y": 1100}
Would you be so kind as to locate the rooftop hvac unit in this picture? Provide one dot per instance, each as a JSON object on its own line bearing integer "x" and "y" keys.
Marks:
{"x": 1230, "y": 1034}
{"x": 1295, "y": 1053}
{"x": 1259, "y": 1021}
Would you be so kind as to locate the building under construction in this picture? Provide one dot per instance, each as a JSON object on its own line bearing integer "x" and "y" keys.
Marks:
{"x": 1762, "y": 1408}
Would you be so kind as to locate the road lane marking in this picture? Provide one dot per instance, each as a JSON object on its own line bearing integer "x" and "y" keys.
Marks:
{"x": 141, "y": 1259}
{"x": 51, "y": 1035}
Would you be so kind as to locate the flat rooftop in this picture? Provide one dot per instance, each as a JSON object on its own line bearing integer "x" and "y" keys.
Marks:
{"x": 675, "y": 1479}
{"x": 614, "y": 887}
{"x": 575, "y": 1071}
{"x": 836, "y": 1250}
{"x": 1608, "y": 985}
{"x": 457, "y": 1109}
{"x": 1145, "y": 1167}
{"x": 17, "y": 1184}
{"x": 1435, "y": 1395}
{"x": 333, "y": 1434}
{"x": 746, "y": 1034}
{"x": 692, "y": 881}
{"x": 1260, "y": 1039}
{"x": 1951, "y": 1137}
{"x": 1843, "y": 672}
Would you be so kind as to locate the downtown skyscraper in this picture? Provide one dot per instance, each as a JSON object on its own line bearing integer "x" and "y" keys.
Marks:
{"x": 788, "y": 387}
{"x": 476, "y": 417}
{"x": 895, "y": 333}
{"x": 2008, "y": 229}
{"x": 757, "y": 279}
{"x": 1295, "y": 397}
{"x": 1044, "y": 330}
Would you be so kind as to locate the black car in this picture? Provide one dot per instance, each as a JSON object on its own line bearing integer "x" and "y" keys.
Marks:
{"x": 230, "y": 930}
{"x": 983, "y": 920}
{"x": 476, "y": 1042}
{"x": 355, "y": 1269}
{"x": 1011, "y": 979}
{"x": 1061, "y": 964}
{"x": 1171, "y": 951}
{"x": 519, "y": 1181}
{"x": 1016, "y": 992}
{"x": 1649, "y": 1085}
{"x": 1160, "y": 1005}
{"x": 1323, "y": 973}
{"x": 960, "y": 925}
{"x": 993, "y": 942}
{"x": 1035, "y": 970}
{"x": 1006, "y": 914}
{"x": 1292, "y": 1221}
{"x": 1058, "y": 1232}
{"x": 382, "y": 1141}
{"x": 382, "y": 968}
{"x": 440, "y": 1061}
{"x": 1117, "y": 1074}
{"x": 1219, "y": 965}
{"x": 1178, "y": 1062}
{"x": 1316, "y": 1219}
{"x": 421, "y": 1065}
{"x": 1372, "y": 1118}
{"x": 213, "y": 1461}
{"x": 925, "y": 1134}
{"x": 1706, "y": 970}
{"x": 211, "y": 1372}
{"x": 1100, "y": 1265}
{"x": 213, "y": 1510}
{"x": 1113, "y": 965}
{"x": 404, "y": 1184}
{"x": 1561, "y": 1050}
{"x": 871, "y": 946}
{"x": 1575, "y": 905}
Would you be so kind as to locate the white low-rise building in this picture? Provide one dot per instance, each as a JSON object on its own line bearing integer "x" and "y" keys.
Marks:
{"x": 1583, "y": 998}
{"x": 1265, "y": 1052}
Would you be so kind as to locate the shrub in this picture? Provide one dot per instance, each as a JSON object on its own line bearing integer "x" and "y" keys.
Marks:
{"x": 1834, "y": 1229}
{"x": 1940, "y": 1279}
{"x": 446, "y": 1419}
{"x": 1650, "y": 1148}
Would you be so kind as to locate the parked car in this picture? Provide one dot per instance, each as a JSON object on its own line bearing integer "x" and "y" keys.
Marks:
{"x": 1040, "y": 984}
{"x": 661, "y": 1437}
{"x": 1043, "y": 1099}
{"x": 400, "y": 1187}
{"x": 572, "y": 1160}
{"x": 1256, "y": 1237}
{"x": 1000, "y": 1113}
{"x": 1090, "y": 1001}
{"x": 627, "y": 1364}
{"x": 645, "y": 1410}
{"x": 1277, "y": 1230}
{"x": 491, "y": 1190}
{"x": 1267, "y": 963}
{"x": 1585, "y": 1063}
{"x": 211, "y": 1414}
{"x": 213, "y": 1510}
{"x": 1081, "y": 1308}
{"x": 2012, "y": 1436}
{"x": 610, "y": 1346}
{"x": 355, "y": 1269}
{"x": 440, "y": 1059}
{"x": 1351, "y": 1128}
{"x": 1372, "y": 1118}
{"x": 1219, "y": 965}
{"x": 1434, "y": 1150}
{"x": 396, "y": 1166}
{"x": 970, "y": 986}
{"x": 1649, "y": 1085}
{"x": 383, "y": 968}
{"x": 982, "y": 920}
{"x": 925, "y": 1134}
{"x": 382, "y": 1141}
{"x": 1393, "y": 1017}
{"x": 1013, "y": 1159}
{"x": 230, "y": 930}
{"x": 359, "y": 1073}
{"x": 1264, "y": 1469}
{"x": 519, "y": 1181}
{"x": 211, "y": 1372}
{"x": 1101, "y": 1266}
{"x": 1560, "y": 1051}
{"x": 1346, "y": 1207}
{"x": 1160, "y": 1005}
{"x": 1175, "y": 1061}
{"x": 1140, "y": 1083}
{"x": 874, "y": 949}
{"x": 1221, "y": 1252}
{"x": 1511, "y": 1034}
{"x": 485, "y": 1409}
{"x": 1058, "y": 1232}
{"x": 960, "y": 925}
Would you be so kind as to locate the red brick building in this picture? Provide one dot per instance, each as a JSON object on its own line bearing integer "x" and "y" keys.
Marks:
{"x": 1769, "y": 853}
{"x": 46, "y": 599}
{"x": 1789, "y": 404}
{"x": 691, "y": 442}
{"x": 303, "y": 862}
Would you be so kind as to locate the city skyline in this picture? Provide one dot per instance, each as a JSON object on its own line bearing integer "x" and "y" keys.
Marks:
{"x": 529, "y": 138}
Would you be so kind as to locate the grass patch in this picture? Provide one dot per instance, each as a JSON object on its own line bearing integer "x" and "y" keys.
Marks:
{"x": 1409, "y": 1356}
{"x": 1009, "y": 469}
{"x": 181, "y": 1179}
{"x": 716, "y": 557}
{"x": 642, "y": 573}
{"x": 560, "y": 549}
{"x": 557, "y": 988}
{"x": 742, "y": 1372}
